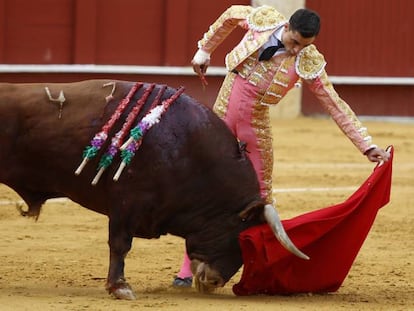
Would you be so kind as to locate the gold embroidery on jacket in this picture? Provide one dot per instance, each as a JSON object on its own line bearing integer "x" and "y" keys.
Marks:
{"x": 226, "y": 23}
{"x": 309, "y": 63}
{"x": 350, "y": 115}
{"x": 245, "y": 48}
{"x": 222, "y": 100}
{"x": 280, "y": 83}
{"x": 264, "y": 18}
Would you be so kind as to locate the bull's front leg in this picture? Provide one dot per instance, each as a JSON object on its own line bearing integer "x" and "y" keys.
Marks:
{"x": 119, "y": 245}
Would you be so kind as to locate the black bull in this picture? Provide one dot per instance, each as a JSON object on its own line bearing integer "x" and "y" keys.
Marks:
{"x": 189, "y": 178}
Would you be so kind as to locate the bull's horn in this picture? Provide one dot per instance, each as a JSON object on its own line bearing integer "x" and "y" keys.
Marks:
{"x": 273, "y": 219}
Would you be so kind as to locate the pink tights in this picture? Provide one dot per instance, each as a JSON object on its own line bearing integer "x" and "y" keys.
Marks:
{"x": 185, "y": 271}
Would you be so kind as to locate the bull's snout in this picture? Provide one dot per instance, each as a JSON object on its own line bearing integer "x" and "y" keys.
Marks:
{"x": 206, "y": 279}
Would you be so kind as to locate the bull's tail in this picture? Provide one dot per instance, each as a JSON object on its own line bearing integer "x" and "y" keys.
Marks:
{"x": 32, "y": 211}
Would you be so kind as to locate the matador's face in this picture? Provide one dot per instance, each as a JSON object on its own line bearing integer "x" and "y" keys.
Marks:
{"x": 293, "y": 40}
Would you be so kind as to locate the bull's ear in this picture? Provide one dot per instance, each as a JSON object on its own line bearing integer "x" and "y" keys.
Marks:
{"x": 252, "y": 210}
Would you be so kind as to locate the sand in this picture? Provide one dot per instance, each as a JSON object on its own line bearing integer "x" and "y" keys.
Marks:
{"x": 60, "y": 262}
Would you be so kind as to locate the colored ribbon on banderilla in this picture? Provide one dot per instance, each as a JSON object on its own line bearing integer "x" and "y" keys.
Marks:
{"x": 118, "y": 138}
{"x": 135, "y": 140}
{"x": 100, "y": 138}
{"x": 129, "y": 148}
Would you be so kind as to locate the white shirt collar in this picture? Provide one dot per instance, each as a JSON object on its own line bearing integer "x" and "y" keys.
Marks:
{"x": 273, "y": 39}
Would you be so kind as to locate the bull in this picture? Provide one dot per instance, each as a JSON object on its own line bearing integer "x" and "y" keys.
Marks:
{"x": 189, "y": 178}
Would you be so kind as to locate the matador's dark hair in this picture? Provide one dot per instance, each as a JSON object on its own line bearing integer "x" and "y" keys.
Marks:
{"x": 306, "y": 22}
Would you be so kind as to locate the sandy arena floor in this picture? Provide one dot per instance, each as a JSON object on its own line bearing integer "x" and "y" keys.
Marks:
{"x": 60, "y": 262}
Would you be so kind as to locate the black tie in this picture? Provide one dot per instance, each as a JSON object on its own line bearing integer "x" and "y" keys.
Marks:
{"x": 270, "y": 51}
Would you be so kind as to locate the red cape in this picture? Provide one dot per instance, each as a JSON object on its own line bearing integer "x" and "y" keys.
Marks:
{"x": 331, "y": 237}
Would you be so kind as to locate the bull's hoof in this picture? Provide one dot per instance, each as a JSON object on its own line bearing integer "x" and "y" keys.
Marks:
{"x": 124, "y": 293}
{"x": 121, "y": 290}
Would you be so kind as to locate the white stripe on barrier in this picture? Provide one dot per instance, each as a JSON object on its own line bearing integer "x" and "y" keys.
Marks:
{"x": 179, "y": 70}
{"x": 317, "y": 189}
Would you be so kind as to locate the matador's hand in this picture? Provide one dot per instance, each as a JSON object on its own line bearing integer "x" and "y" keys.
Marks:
{"x": 377, "y": 155}
{"x": 200, "y": 62}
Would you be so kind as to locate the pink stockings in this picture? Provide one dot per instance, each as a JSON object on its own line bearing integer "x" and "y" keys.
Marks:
{"x": 185, "y": 270}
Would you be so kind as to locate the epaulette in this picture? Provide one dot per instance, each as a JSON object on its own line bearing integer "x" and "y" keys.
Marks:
{"x": 310, "y": 63}
{"x": 236, "y": 11}
{"x": 264, "y": 18}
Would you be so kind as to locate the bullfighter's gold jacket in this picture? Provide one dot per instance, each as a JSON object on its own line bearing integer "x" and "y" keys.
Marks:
{"x": 308, "y": 66}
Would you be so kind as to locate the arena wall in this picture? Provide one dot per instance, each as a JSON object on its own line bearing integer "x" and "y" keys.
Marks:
{"x": 365, "y": 44}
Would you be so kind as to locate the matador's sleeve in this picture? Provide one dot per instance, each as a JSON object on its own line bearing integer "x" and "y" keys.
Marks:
{"x": 310, "y": 67}
{"x": 223, "y": 26}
